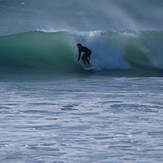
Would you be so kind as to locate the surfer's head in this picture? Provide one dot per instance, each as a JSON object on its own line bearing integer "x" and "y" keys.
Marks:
{"x": 79, "y": 45}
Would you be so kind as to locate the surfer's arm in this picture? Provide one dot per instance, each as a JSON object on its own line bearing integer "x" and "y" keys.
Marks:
{"x": 79, "y": 55}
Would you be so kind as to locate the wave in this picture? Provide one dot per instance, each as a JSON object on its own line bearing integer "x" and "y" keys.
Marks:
{"x": 36, "y": 50}
{"x": 57, "y": 51}
{"x": 79, "y": 15}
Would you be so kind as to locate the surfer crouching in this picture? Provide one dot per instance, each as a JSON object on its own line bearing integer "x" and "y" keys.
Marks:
{"x": 86, "y": 55}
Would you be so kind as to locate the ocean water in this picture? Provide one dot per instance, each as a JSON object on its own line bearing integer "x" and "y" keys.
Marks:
{"x": 54, "y": 111}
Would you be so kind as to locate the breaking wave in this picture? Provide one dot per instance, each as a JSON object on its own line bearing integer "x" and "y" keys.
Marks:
{"x": 57, "y": 51}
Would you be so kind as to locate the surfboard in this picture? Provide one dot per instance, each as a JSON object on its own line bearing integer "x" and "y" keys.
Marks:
{"x": 87, "y": 67}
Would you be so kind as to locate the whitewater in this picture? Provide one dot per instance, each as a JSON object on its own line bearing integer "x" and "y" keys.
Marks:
{"x": 54, "y": 111}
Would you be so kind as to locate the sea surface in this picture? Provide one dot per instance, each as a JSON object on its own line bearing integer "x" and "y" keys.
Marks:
{"x": 54, "y": 111}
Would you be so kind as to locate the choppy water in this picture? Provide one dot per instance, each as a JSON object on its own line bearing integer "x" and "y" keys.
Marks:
{"x": 82, "y": 120}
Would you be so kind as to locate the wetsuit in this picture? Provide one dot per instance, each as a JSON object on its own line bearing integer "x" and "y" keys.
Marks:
{"x": 86, "y": 55}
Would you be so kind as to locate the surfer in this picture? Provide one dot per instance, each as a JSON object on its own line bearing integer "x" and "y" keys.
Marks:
{"x": 86, "y": 55}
